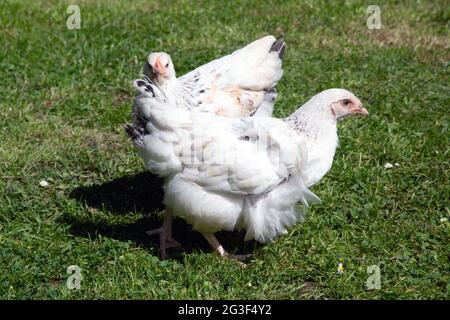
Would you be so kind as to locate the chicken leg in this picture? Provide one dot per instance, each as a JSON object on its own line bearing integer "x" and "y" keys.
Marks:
{"x": 165, "y": 234}
{"x": 217, "y": 247}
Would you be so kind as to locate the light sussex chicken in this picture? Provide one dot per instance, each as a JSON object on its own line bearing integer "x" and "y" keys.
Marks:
{"x": 237, "y": 173}
{"x": 239, "y": 84}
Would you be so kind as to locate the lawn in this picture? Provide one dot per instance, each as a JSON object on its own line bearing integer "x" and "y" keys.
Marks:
{"x": 66, "y": 94}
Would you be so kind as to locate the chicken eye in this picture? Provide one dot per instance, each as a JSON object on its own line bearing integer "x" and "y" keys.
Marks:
{"x": 346, "y": 101}
{"x": 167, "y": 65}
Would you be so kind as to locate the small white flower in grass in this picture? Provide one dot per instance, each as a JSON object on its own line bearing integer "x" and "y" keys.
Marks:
{"x": 443, "y": 220}
{"x": 340, "y": 269}
{"x": 44, "y": 184}
{"x": 388, "y": 165}
{"x": 397, "y": 164}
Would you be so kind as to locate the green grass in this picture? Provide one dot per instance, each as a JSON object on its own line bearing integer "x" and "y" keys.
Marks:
{"x": 65, "y": 95}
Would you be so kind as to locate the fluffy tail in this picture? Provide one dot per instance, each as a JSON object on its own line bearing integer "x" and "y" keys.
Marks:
{"x": 270, "y": 216}
{"x": 279, "y": 46}
{"x": 149, "y": 130}
{"x": 258, "y": 66}
{"x": 140, "y": 115}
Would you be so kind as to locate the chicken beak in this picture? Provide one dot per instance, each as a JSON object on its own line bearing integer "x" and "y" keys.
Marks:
{"x": 360, "y": 110}
{"x": 159, "y": 68}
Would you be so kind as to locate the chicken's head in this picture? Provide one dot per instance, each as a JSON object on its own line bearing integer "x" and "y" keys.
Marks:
{"x": 159, "y": 68}
{"x": 344, "y": 103}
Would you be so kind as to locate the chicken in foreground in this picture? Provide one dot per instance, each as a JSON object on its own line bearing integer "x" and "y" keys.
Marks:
{"x": 238, "y": 173}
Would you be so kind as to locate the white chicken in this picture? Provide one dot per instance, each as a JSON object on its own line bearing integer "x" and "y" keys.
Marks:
{"x": 237, "y": 173}
{"x": 240, "y": 84}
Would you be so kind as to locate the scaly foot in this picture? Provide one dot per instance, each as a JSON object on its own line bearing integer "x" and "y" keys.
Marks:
{"x": 165, "y": 235}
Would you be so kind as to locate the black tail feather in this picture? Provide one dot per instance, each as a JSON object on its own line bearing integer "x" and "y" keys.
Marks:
{"x": 279, "y": 46}
{"x": 134, "y": 133}
{"x": 145, "y": 84}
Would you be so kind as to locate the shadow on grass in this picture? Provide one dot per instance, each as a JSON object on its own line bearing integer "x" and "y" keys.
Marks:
{"x": 139, "y": 193}
{"x": 143, "y": 193}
